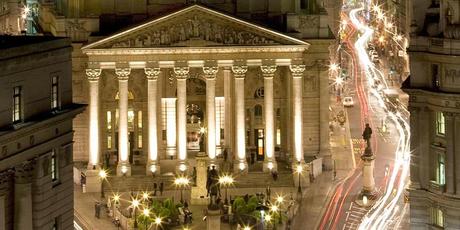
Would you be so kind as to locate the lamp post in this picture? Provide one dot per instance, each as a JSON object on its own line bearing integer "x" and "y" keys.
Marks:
{"x": 226, "y": 181}
{"x": 158, "y": 221}
{"x": 262, "y": 208}
{"x": 146, "y": 213}
{"x": 279, "y": 201}
{"x": 102, "y": 176}
{"x": 135, "y": 204}
{"x": 181, "y": 182}
{"x": 299, "y": 170}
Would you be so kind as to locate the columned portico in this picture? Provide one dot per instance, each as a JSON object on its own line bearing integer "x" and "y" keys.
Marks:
{"x": 181, "y": 77}
{"x": 93, "y": 80}
{"x": 153, "y": 166}
{"x": 240, "y": 164}
{"x": 210, "y": 73}
{"x": 268, "y": 72}
{"x": 123, "y": 167}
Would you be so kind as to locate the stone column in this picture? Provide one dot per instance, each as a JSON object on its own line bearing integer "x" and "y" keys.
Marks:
{"x": 240, "y": 135}
{"x": 93, "y": 79}
{"x": 414, "y": 143}
{"x": 210, "y": 73}
{"x": 23, "y": 196}
{"x": 269, "y": 160}
{"x": 457, "y": 153}
{"x": 324, "y": 148}
{"x": 297, "y": 77}
{"x": 123, "y": 167}
{"x": 450, "y": 151}
{"x": 228, "y": 112}
{"x": 181, "y": 76}
{"x": 153, "y": 166}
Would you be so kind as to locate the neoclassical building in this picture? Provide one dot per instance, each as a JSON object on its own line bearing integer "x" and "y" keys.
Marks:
{"x": 198, "y": 80}
{"x": 434, "y": 104}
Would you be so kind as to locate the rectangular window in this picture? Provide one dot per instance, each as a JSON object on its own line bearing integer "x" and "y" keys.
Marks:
{"x": 139, "y": 129}
{"x": 17, "y": 104}
{"x": 441, "y": 170}
{"x": 278, "y": 136}
{"x": 109, "y": 140}
{"x": 437, "y": 217}
{"x": 435, "y": 76}
{"x": 220, "y": 119}
{"x": 54, "y": 166}
{"x": 440, "y": 124}
{"x": 109, "y": 129}
{"x": 54, "y": 92}
{"x": 168, "y": 109}
{"x": 56, "y": 223}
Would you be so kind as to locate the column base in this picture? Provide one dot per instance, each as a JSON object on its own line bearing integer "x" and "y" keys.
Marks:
{"x": 93, "y": 167}
{"x": 93, "y": 182}
{"x": 152, "y": 169}
{"x": 171, "y": 152}
{"x": 240, "y": 167}
{"x": 269, "y": 166}
{"x": 123, "y": 169}
{"x": 198, "y": 196}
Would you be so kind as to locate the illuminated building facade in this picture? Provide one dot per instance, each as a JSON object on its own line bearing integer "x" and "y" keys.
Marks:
{"x": 434, "y": 103}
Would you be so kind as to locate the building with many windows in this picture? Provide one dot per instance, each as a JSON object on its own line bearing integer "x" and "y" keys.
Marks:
{"x": 434, "y": 104}
{"x": 36, "y": 112}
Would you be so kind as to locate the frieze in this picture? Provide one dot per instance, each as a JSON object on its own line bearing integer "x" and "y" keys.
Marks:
{"x": 192, "y": 28}
{"x": 308, "y": 21}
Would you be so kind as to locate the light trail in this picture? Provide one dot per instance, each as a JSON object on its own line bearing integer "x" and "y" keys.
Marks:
{"x": 385, "y": 207}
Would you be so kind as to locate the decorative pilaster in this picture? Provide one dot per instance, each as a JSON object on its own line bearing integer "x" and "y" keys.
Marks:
{"x": 23, "y": 195}
{"x": 457, "y": 152}
{"x": 93, "y": 79}
{"x": 228, "y": 138}
{"x": 123, "y": 167}
{"x": 450, "y": 157}
{"x": 414, "y": 143}
{"x": 268, "y": 72}
{"x": 210, "y": 73}
{"x": 153, "y": 166}
{"x": 296, "y": 135}
{"x": 240, "y": 135}
{"x": 181, "y": 76}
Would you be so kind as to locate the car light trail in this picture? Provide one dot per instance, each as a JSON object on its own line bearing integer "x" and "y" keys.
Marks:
{"x": 385, "y": 209}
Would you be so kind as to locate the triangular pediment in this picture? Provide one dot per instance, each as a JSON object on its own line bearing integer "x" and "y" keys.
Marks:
{"x": 195, "y": 26}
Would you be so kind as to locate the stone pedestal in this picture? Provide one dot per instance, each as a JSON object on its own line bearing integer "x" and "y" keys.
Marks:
{"x": 213, "y": 219}
{"x": 93, "y": 182}
{"x": 368, "y": 173}
{"x": 198, "y": 196}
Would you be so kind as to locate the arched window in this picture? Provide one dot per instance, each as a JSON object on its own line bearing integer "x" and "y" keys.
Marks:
{"x": 130, "y": 96}
{"x": 258, "y": 110}
{"x": 259, "y": 93}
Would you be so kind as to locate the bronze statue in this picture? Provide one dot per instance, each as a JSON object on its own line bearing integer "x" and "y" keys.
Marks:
{"x": 212, "y": 186}
{"x": 367, "y": 135}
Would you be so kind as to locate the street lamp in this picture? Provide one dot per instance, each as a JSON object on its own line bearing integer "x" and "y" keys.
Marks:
{"x": 135, "y": 204}
{"x": 157, "y": 222}
{"x": 146, "y": 213}
{"x": 145, "y": 196}
{"x": 102, "y": 176}
{"x": 181, "y": 182}
{"x": 246, "y": 228}
{"x": 299, "y": 170}
{"x": 226, "y": 181}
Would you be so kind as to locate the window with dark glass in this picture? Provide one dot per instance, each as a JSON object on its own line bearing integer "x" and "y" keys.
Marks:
{"x": 54, "y": 166}
{"x": 17, "y": 105}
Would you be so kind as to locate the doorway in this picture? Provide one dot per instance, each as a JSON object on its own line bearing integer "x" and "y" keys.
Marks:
{"x": 259, "y": 136}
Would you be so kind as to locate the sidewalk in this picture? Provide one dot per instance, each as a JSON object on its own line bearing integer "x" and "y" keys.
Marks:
{"x": 317, "y": 196}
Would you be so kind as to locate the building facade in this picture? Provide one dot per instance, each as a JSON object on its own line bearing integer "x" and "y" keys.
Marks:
{"x": 36, "y": 182}
{"x": 434, "y": 103}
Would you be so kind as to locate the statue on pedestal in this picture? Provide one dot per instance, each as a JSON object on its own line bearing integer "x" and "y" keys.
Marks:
{"x": 212, "y": 187}
{"x": 367, "y": 134}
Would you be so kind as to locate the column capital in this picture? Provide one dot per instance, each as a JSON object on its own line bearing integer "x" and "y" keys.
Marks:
{"x": 6, "y": 176}
{"x": 268, "y": 70}
{"x": 297, "y": 70}
{"x": 152, "y": 73}
{"x": 93, "y": 74}
{"x": 123, "y": 73}
{"x": 181, "y": 72}
{"x": 210, "y": 72}
{"x": 23, "y": 173}
{"x": 239, "y": 71}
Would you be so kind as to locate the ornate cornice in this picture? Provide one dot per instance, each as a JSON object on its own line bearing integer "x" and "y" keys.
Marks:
{"x": 268, "y": 70}
{"x": 181, "y": 72}
{"x": 123, "y": 73}
{"x": 210, "y": 71}
{"x": 297, "y": 70}
{"x": 152, "y": 73}
{"x": 93, "y": 74}
{"x": 239, "y": 71}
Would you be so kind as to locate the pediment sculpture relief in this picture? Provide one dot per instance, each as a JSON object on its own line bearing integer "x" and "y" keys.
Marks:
{"x": 190, "y": 30}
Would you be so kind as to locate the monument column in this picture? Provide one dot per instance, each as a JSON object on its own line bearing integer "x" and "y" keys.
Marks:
{"x": 240, "y": 135}
{"x": 297, "y": 77}
{"x": 450, "y": 151}
{"x": 268, "y": 72}
{"x": 93, "y": 79}
{"x": 210, "y": 73}
{"x": 153, "y": 166}
{"x": 181, "y": 76}
{"x": 123, "y": 167}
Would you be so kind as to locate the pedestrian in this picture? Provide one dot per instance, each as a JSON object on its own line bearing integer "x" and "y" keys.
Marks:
{"x": 97, "y": 208}
{"x": 161, "y": 188}
{"x": 275, "y": 175}
{"x": 225, "y": 155}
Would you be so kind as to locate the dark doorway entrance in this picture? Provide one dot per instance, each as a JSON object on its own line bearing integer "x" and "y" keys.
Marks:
{"x": 259, "y": 136}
